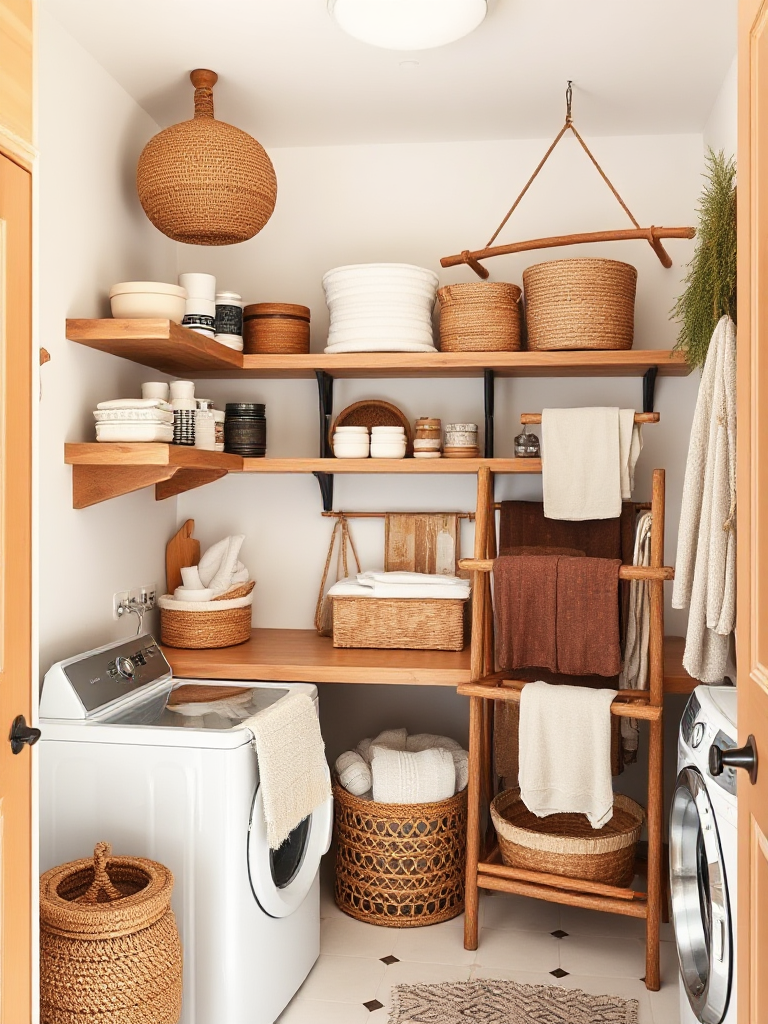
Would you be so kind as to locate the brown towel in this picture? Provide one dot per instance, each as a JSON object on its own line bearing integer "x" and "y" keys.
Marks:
{"x": 587, "y": 619}
{"x": 525, "y": 596}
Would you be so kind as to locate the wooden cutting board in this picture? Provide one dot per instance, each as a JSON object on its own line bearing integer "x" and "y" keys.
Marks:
{"x": 190, "y": 693}
{"x": 181, "y": 551}
{"x": 422, "y": 542}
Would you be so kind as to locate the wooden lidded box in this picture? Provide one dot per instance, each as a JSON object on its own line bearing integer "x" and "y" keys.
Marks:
{"x": 278, "y": 328}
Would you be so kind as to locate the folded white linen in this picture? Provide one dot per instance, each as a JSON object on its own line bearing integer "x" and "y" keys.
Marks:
{"x": 219, "y": 567}
{"x": 565, "y": 751}
{"x": 354, "y": 773}
{"x": 411, "y": 578}
{"x": 630, "y": 446}
{"x": 405, "y": 777}
{"x": 293, "y": 773}
{"x": 350, "y": 588}
{"x": 428, "y": 740}
{"x": 581, "y": 471}
{"x": 136, "y": 403}
{"x": 379, "y": 346}
{"x": 461, "y": 768}
{"x": 393, "y": 739}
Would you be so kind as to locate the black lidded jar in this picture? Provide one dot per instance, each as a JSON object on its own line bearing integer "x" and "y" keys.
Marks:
{"x": 245, "y": 429}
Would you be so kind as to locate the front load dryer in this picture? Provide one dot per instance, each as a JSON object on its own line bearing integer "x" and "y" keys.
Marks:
{"x": 117, "y": 764}
{"x": 703, "y": 856}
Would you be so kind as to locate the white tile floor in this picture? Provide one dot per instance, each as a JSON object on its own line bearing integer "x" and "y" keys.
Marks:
{"x": 600, "y": 953}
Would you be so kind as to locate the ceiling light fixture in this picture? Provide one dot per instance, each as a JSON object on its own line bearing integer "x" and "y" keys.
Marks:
{"x": 408, "y": 24}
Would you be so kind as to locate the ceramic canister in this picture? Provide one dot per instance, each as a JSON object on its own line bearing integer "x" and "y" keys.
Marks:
{"x": 199, "y": 286}
{"x": 200, "y": 316}
{"x": 229, "y": 318}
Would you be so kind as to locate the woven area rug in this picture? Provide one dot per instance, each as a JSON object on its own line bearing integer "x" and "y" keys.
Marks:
{"x": 506, "y": 1002}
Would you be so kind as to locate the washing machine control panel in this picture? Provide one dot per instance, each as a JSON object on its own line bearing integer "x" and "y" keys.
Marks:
{"x": 106, "y": 676}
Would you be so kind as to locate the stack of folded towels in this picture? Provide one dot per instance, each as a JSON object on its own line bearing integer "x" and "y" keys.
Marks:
{"x": 395, "y": 768}
{"x": 134, "y": 419}
{"x": 218, "y": 574}
{"x": 402, "y": 584}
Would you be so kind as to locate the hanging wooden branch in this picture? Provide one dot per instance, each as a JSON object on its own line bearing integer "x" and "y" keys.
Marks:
{"x": 652, "y": 235}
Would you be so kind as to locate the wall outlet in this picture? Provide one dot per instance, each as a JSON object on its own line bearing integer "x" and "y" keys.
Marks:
{"x": 120, "y": 599}
{"x": 146, "y": 596}
{"x": 143, "y": 598}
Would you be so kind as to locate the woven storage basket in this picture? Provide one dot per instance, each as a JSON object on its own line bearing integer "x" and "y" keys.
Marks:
{"x": 205, "y": 630}
{"x": 480, "y": 317}
{"x": 204, "y": 181}
{"x": 566, "y": 844}
{"x": 281, "y": 328}
{"x": 580, "y": 304}
{"x": 404, "y": 623}
{"x": 109, "y": 948}
{"x": 400, "y": 865}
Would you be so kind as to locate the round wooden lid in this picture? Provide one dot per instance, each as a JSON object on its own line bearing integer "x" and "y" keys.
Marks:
{"x": 276, "y": 309}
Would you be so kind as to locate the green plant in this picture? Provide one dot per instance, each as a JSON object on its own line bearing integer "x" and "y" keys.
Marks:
{"x": 710, "y": 291}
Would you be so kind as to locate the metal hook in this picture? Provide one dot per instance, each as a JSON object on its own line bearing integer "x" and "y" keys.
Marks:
{"x": 568, "y": 102}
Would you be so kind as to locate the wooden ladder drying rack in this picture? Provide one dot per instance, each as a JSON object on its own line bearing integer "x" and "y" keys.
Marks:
{"x": 484, "y": 868}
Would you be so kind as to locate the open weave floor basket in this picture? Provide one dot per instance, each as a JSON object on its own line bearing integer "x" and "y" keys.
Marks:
{"x": 399, "y": 623}
{"x": 210, "y": 629}
{"x": 580, "y": 304}
{"x": 483, "y": 316}
{"x": 109, "y": 948}
{"x": 400, "y": 865}
{"x": 566, "y": 844}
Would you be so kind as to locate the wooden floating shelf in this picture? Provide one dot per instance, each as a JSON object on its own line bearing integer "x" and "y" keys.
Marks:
{"x": 103, "y": 471}
{"x": 300, "y": 655}
{"x": 165, "y": 346}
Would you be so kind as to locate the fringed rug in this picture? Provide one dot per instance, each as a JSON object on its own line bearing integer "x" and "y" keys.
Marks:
{"x": 506, "y": 1002}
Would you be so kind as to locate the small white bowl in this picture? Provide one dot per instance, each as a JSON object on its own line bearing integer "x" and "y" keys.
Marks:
{"x": 351, "y": 450}
{"x": 139, "y": 300}
{"x": 350, "y": 432}
{"x": 379, "y": 431}
{"x": 388, "y": 450}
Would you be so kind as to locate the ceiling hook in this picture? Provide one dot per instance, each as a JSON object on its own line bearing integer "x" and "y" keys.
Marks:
{"x": 568, "y": 102}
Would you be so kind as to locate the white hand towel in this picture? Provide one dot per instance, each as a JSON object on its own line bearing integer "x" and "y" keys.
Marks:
{"x": 403, "y": 777}
{"x": 581, "y": 465}
{"x": 461, "y": 767}
{"x": 411, "y": 578}
{"x": 363, "y": 748}
{"x": 565, "y": 751}
{"x": 630, "y": 446}
{"x": 219, "y": 567}
{"x": 429, "y": 592}
{"x": 428, "y": 740}
{"x": 354, "y": 773}
{"x": 393, "y": 739}
{"x": 136, "y": 403}
{"x": 292, "y": 768}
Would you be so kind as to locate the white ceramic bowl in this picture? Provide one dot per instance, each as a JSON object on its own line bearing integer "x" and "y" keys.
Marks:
{"x": 388, "y": 449}
{"x": 139, "y": 300}
{"x": 378, "y": 431}
{"x": 351, "y": 450}
{"x": 349, "y": 431}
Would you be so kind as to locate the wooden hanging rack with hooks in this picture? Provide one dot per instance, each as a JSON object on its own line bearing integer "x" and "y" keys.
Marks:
{"x": 653, "y": 235}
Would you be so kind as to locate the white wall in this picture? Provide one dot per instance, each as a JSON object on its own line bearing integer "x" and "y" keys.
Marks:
{"x": 92, "y": 233}
{"x": 720, "y": 130}
{"x": 416, "y": 203}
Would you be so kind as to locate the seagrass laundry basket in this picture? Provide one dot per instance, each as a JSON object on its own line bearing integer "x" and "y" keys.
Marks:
{"x": 110, "y": 951}
{"x": 483, "y": 316}
{"x": 403, "y": 623}
{"x": 400, "y": 865}
{"x": 204, "y": 181}
{"x": 580, "y": 304}
{"x": 566, "y": 844}
{"x": 203, "y": 625}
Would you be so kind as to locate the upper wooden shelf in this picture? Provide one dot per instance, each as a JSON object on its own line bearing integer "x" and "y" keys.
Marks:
{"x": 169, "y": 348}
{"x": 300, "y": 655}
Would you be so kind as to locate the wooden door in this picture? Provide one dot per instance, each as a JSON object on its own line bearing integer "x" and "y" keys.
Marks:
{"x": 15, "y": 591}
{"x": 752, "y": 622}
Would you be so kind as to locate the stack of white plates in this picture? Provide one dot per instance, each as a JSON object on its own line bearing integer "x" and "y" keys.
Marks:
{"x": 380, "y": 307}
{"x": 134, "y": 419}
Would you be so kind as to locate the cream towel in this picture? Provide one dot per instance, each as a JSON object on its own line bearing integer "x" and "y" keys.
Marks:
{"x": 405, "y": 777}
{"x": 428, "y": 740}
{"x": 634, "y": 674}
{"x": 219, "y": 567}
{"x": 705, "y": 573}
{"x": 565, "y": 751}
{"x": 292, "y": 767}
{"x": 588, "y": 461}
{"x": 354, "y": 773}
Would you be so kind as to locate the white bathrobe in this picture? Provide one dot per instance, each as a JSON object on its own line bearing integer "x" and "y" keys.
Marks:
{"x": 705, "y": 573}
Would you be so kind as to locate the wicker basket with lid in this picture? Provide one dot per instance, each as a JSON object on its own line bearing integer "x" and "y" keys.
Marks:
{"x": 109, "y": 948}
{"x": 281, "y": 328}
{"x": 204, "y": 181}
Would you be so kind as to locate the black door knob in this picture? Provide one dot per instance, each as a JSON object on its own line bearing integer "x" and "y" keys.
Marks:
{"x": 21, "y": 734}
{"x": 737, "y": 757}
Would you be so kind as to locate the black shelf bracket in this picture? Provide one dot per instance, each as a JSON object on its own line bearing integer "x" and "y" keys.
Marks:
{"x": 649, "y": 388}
{"x": 325, "y": 396}
{"x": 489, "y": 380}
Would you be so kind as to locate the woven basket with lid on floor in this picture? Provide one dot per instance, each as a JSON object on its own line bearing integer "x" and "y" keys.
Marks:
{"x": 110, "y": 951}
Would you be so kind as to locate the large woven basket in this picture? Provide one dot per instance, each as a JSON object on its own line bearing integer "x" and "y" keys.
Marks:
{"x": 281, "y": 328}
{"x": 109, "y": 948}
{"x": 400, "y": 865}
{"x": 566, "y": 844}
{"x": 205, "y": 629}
{"x": 204, "y": 181}
{"x": 480, "y": 317}
{"x": 580, "y": 304}
{"x": 403, "y": 623}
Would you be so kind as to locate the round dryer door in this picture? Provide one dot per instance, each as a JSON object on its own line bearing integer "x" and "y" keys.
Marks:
{"x": 700, "y": 908}
{"x": 281, "y": 879}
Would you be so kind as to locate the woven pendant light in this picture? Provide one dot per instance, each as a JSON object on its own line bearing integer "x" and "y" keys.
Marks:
{"x": 204, "y": 181}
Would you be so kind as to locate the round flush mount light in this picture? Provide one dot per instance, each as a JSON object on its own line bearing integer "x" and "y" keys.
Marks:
{"x": 408, "y": 24}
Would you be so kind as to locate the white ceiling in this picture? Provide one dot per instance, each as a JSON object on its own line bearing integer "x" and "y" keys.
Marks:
{"x": 289, "y": 76}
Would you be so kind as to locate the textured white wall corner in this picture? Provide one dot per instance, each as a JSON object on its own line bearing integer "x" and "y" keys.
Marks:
{"x": 720, "y": 130}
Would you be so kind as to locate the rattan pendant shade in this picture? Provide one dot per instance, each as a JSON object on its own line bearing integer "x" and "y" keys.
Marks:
{"x": 204, "y": 181}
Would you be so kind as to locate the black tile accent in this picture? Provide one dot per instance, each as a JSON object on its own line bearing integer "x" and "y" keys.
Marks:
{"x": 560, "y": 934}
{"x": 389, "y": 960}
{"x": 373, "y": 1004}
{"x": 559, "y": 973}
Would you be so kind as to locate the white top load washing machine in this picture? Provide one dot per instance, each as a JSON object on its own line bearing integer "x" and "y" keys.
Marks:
{"x": 703, "y": 856}
{"x": 117, "y": 765}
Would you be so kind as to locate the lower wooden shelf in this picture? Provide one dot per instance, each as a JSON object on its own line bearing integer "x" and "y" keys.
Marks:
{"x": 300, "y": 655}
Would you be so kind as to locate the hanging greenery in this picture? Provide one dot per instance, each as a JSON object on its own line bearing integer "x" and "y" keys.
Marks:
{"x": 710, "y": 291}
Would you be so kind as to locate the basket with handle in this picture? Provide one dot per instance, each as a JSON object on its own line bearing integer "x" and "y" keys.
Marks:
{"x": 480, "y": 317}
